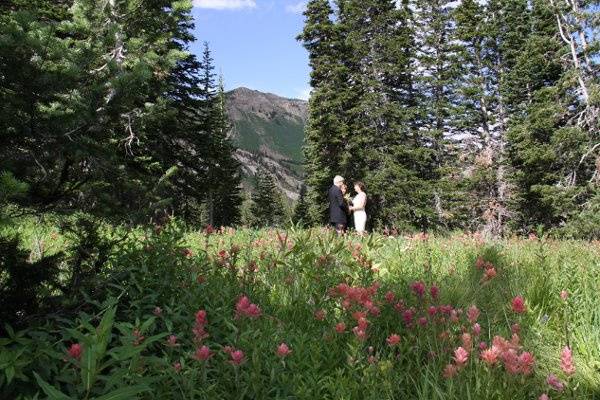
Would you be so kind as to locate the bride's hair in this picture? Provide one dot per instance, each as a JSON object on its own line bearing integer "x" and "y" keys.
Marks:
{"x": 360, "y": 185}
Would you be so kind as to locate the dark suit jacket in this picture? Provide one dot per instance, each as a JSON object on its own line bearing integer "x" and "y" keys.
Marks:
{"x": 338, "y": 209}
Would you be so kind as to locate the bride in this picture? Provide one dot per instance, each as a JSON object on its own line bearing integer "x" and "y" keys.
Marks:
{"x": 358, "y": 207}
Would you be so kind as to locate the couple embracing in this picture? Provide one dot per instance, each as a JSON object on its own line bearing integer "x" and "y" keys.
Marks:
{"x": 340, "y": 208}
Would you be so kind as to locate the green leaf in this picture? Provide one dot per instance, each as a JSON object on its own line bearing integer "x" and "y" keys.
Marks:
{"x": 124, "y": 393}
{"x": 104, "y": 330}
{"x": 88, "y": 366}
{"x": 10, "y": 374}
{"x": 51, "y": 391}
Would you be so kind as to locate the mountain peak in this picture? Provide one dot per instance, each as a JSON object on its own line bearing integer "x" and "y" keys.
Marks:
{"x": 269, "y": 133}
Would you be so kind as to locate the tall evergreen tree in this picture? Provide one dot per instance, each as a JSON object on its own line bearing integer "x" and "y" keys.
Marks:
{"x": 550, "y": 143}
{"x": 300, "y": 215}
{"x": 266, "y": 208}
{"x": 227, "y": 198}
{"x": 327, "y": 130}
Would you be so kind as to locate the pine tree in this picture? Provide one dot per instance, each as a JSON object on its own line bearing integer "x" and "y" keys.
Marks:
{"x": 78, "y": 93}
{"x": 326, "y": 131}
{"x": 227, "y": 197}
{"x": 266, "y": 208}
{"x": 552, "y": 176}
{"x": 300, "y": 215}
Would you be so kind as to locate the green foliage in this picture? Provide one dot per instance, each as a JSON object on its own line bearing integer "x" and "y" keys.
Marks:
{"x": 300, "y": 215}
{"x": 103, "y": 103}
{"x": 469, "y": 115}
{"x": 160, "y": 278}
{"x": 267, "y": 207}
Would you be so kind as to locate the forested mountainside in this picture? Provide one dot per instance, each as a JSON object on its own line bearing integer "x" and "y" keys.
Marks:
{"x": 269, "y": 133}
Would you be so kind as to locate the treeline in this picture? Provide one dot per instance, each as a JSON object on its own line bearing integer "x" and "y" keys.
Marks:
{"x": 105, "y": 112}
{"x": 478, "y": 115}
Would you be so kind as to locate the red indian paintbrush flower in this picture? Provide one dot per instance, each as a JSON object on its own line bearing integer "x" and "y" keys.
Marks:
{"x": 283, "y": 350}
{"x": 476, "y": 329}
{"x": 434, "y": 291}
{"x": 566, "y": 361}
{"x": 203, "y": 353}
{"x": 244, "y": 308}
{"x": 555, "y": 383}
{"x": 473, "y": 313}
{"x": 450, "y": 371}
{"x": 526, "y": 363}
{"x": 201, "y": 317}
{"x": 340, "y": 327}
{"x": 393, "y": 339}
{"x": 461, "y": 356}
{"x": 418, "y": 288}
{"x": 237, "y": 357}
{"x": 490, "y": 356}
{"x": 390, "y": 297}
{"x": 75, "y": 351}
{"x": 320, "y": 315}
{"x": 172, "y": 341}
{"x": 518, "y": 305}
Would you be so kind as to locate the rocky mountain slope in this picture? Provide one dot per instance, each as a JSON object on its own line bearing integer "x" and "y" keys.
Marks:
{"x": 269, "y": 133}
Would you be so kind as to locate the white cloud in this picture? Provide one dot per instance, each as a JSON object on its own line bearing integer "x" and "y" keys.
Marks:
{"x": 297, "y": 8}
{"x": 225, "y": 4}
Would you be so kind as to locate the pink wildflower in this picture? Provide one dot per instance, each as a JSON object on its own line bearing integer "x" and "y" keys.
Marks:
{"x": 320, "y": 315}
{"x": 555, "y": 383}
{"x": 407, "y": 316}
{"x": 543, "y": 396}
{"x": 177, "y": 366}
{"x": 361, "y": 334}
{"x": 157, "y": 311}
{"x": 393, "y": 339}
{"x": 390, "y": 297}
{"x": 461, "y": 356}
{"x": 237, "y": 357}
{"x": 201, "y": 317}
{"x": 203, "y": 353}
{"x": 566, "y": 361}
{"x": 434, "y": 291}
{"x": 283, "y": 350}
{"x": 172, "y": 341}
{"x": 418, "y": 288}
{"x": 564, "y": 295}
{"x": 518, "y": 305}
{"x": 526, "y": 363}
{"x": 450, "y": 371}
{"x": 473, "y": 313}
{"x": 490, "y": 356}
{"x": 476, "y": 329}
{"x": 244, "y": 308}
{"x": 340, "y": 327}
{"x": 467, "y": 341}
{"x": 75, "y": 351}
{"x": 490, "y": 273}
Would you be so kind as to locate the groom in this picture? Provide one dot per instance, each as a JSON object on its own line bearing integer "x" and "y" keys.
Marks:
{"x": 338, "y": 209}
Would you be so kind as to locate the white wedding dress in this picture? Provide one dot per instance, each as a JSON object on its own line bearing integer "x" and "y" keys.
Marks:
{"x": 360, "y": 215}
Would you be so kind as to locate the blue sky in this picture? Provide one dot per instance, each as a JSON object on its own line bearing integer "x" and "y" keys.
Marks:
{"x": 253, "y": 43}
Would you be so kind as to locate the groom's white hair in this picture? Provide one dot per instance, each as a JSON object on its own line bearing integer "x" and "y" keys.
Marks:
{"x": 338, "y": 179}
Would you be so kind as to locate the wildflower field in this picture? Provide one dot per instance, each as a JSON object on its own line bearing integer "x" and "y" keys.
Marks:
{"x": 304, "y": 314}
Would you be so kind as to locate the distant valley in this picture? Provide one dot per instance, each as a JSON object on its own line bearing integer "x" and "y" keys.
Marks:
{"x": 269, "y": 133}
